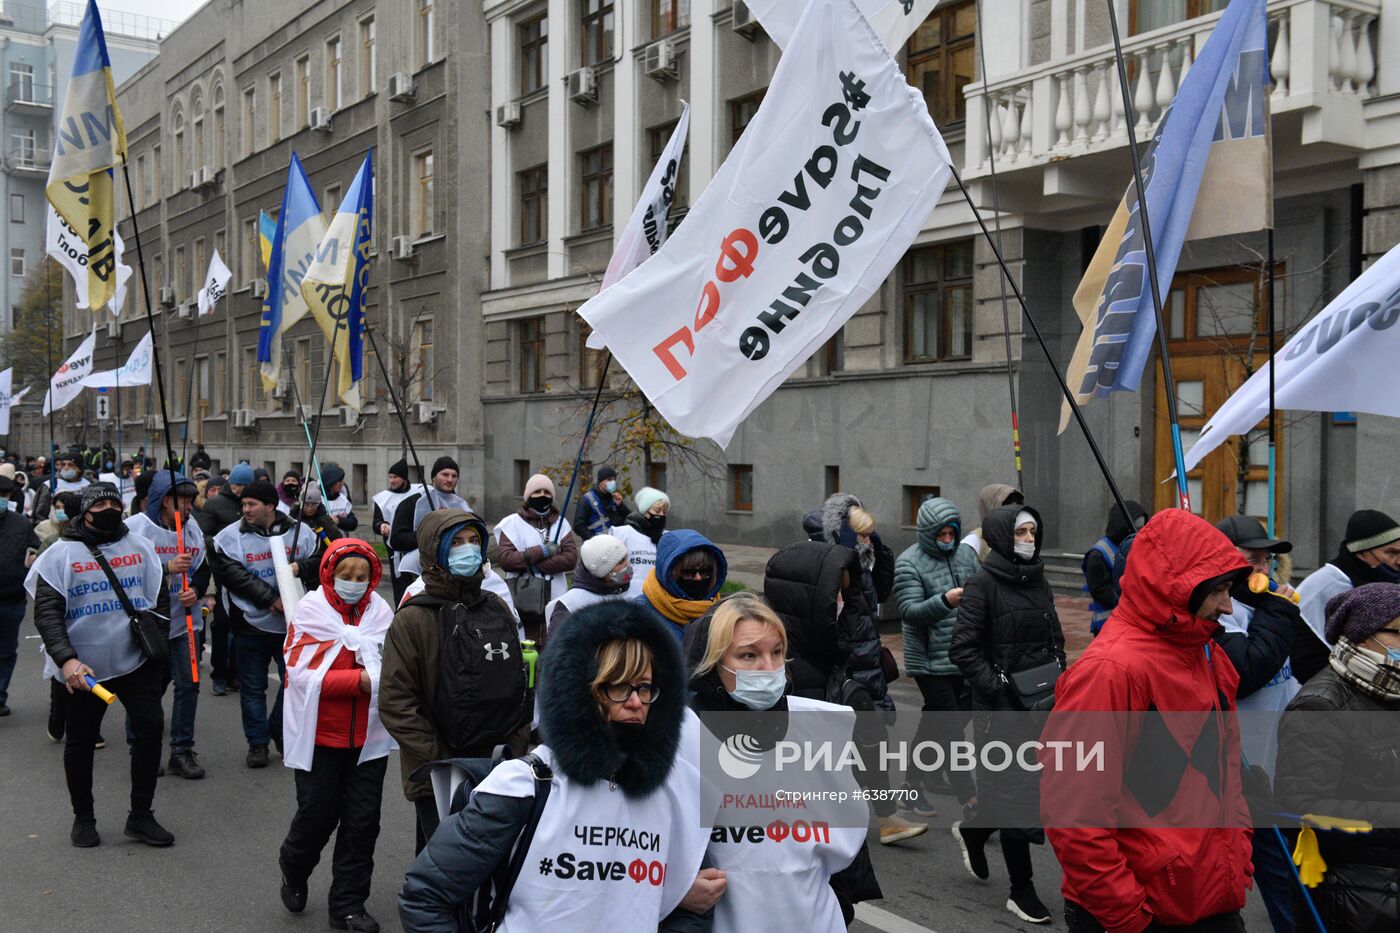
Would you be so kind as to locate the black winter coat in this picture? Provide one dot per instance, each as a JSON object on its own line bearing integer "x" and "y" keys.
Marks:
{"x": 1258, "y": 655}
{"x": 1347, "y": 766}
{"x": 220, "y": 511}
{"x": 802, "y": 582}
{"x": 16, "y": 538}
{"x": 239, "y": 580}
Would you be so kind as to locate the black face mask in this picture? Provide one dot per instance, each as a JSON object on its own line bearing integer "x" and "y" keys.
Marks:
{"x": 106, "y": 521}
{"x": 656, "y": 524}
{"x": 540, "y": 505}
{"x": 695, "y": 589}
{"x": 291, "y": 490}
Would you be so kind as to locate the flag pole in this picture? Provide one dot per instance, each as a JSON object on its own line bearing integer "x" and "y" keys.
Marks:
{"x": 316, "y": 432}
{"x": 402, "y": 418}
{"x": 587, "y": 432}
{"x": 1049, "y": 357}
{"x": 296, "y": 400}
{"x": 53, "y": 435}
{"x": 1005, "y": 307}
{"x": 189, "y": 392}
{"x": 1168, "y": 382}
{"x": 1273, "y": 338}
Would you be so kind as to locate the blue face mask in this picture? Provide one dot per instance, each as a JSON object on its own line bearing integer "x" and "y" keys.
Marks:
{"x": 947, "y": 546}
{"x": 464, "y": 560}
{"x": 59, "y": 515}
{"x": 758, "y": 690}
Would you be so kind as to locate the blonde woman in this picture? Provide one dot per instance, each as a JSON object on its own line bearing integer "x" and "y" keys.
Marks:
{"x": 848, "y": 523}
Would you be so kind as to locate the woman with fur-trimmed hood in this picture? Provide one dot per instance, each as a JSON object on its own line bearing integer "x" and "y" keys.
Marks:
{"x": 612, "y": 708}
{"x": 846, "y": 522}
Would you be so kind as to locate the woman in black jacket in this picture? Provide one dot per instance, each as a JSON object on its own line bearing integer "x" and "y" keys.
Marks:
{"x": 1007, "y": 623}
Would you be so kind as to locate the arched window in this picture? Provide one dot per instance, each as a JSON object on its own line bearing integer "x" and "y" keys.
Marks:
{"x": 197, "y": 129}
{"x": 177, "y": 123}
{"x": 219, "y": 127}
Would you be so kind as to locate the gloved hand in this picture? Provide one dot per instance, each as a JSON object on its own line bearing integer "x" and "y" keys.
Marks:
{"x": 549, "y": 549}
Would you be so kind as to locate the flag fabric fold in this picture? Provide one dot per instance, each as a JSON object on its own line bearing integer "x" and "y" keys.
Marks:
{"x": 66, "y": 384}
{"x": 334, "y": 286}
{"x": 300, "y": 228}
{"x": 830, "y": 183}
{"x": 646, "y": 228}
{"x": 215, "y": 284}
{"x": 64, "y": 245}
{"x": 1207, "y": 173}
{"x": 894, "y": 21}
{"x": 136, "y": 371}
{"x": 7, "y": 401}
{"x": 89, "y": 142}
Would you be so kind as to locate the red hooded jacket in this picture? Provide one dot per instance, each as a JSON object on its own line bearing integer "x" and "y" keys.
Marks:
{"x": 1152, "y": 654}
{"x": 342, "y": 717}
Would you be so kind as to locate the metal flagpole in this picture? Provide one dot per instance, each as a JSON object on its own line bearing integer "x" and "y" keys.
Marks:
{"x": 1005, "y": 308}
{"x": 189, "y": 392}
{"x": 296, "y": 400}
{"x": 316, "y": 432}
{"x": 1168, "y": 383}
{"x": 53, "y": 436}
{"x": 403, "y": 420}
{"x": 587, "y": 432}
{"x": 1049, "y": 357}
{"x": 1273, "y": 338}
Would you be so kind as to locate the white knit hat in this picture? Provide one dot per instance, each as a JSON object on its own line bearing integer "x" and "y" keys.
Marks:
{"x": 1022, "y": 518}
{"x": 538, "y": 483}
{"x": 647, "y": 497}
{"x": 601, "y": 553}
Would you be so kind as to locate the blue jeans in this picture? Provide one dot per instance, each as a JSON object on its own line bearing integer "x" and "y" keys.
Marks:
{"x": 11, "y": 617}
{"x": 186, "y": 699}
{"x": 1274, "y": 876}
{"x": 253, "y": 651}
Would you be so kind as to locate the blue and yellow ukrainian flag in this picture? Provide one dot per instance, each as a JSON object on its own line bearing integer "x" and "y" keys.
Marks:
{"x": 267, "y": 232}
{"x": 300, "y": 227}
{"x": 89, "y": 142}
{"x": 334, "y": 287}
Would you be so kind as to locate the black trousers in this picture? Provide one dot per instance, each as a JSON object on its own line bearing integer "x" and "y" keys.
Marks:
{"x": 139, "y": 694}
{"x": 1080, "y": 920}
{"x": 425, "y": 822}
{"x": 1015, "y": 851}
{"x": 945, "y": 694}
{"x": 337, "y": 792}
{"x": 221, "y": 662}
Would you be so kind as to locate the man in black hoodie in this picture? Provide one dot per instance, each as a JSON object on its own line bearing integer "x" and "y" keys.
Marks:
{"x": 1108, "y": 553}
{"x": 18, "y": 546}
{"x": 222, "y": 507}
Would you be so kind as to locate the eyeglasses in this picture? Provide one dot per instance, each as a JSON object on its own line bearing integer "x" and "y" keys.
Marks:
{"x": 696, "y": 575}
{"x": 621, "y": 693}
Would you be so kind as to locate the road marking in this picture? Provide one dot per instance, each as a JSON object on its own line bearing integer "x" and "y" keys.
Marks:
{"x": 887, "y": 922}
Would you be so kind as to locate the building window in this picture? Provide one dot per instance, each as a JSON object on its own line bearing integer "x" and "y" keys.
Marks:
{"x": 667, "y": 16}
{"x": 274, "y": 93}
{"x": 421, "y": 206}
{"x": 1145, "y": 17}
{"x": 220, "y": 127}
{"x": 156, "y": 177}
{"x": 658, "y": 137}
{"x": 250, "y": 378}
{"x": 741, "y": 113}
{"x": 656, "y": 475}
{"x": 330, "y": 201}
{"x": 426, "y": 50}
{"x": 21, "y": 81}
{"x": 590, "y": 361}
{"x": 533, "y": 36}
{"x": 301, "y": 366}
{"x": 216, "y": 400}
{"x": 833, "y": 354}
{"x": 180, "y": 279}
{"x": 16, "y": 208}
{"x": 180, "y": 165}
{"x": 596, "y": 189}
{"x": 940, "y": 60}
{"x": 915, "y": 496}
{"x": 422, "y": 361}
{"x": 938, "y": 303}
{"x": 833, "y": 481}
{"x": 534, "y": 205}
{"x": 219, "y": 245}
{"x": 251, "y": 250}
{"x": 197, "y": 131}
{"x": 303, "y": 113}
{"x": 17, "y": 262}
{"x": 741, "y": 487}
{"x": 530, "y": 337}
{"x": 596, "y": 31}
{"x": 250, "y": 112}
{"x": 333, "y": 74}
{"x": 369, "y": 57}
{"x": 1224, "y": 303}
{"x": 26, "y": 148}
{"x": 139, "y": 193}
{"x": 522, "y": 474}
{"x": 200, "y": 265}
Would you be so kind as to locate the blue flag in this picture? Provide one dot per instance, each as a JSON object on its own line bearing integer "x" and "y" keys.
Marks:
{"x": 300, "y": 227}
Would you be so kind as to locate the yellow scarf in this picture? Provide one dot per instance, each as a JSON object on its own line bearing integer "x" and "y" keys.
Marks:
{"x": 674, "y": 608}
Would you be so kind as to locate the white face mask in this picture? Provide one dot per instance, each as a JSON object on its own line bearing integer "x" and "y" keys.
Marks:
{"x": 1024, "y": 549}
{"x": 351, "y": 591}
{"x": 758, "y": 690}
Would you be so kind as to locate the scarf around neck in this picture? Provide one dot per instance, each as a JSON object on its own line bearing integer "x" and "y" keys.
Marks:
{"x": 1360, "y": 669}
{"x": 675, "y": 608}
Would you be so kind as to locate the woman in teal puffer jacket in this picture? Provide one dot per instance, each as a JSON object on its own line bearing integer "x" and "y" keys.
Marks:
{"x": 928, "y": 582}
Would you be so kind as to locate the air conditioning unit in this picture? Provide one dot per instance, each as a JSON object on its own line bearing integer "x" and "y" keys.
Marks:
{"x": 258, "y": 288}
{"x": 244, "y": 418}
{"x": 306, "y": 412}
{"x": 167, "y": 296}
{"x": 279, "y": 390}
{"x": 186, "y": 311}
{"x": 192, "y": 180}
{"x": 583, "y": 85}
{"x": 349, "y": 417}
{"x": 153, "y": 423}
{"x": 208, "y": 175}
{"x": 424, "y": 413}
{"x": 321, "y": 119}
{"x": 401, "y": 248}
{"x": 114, "y": 328}
{"x": 659, "y": 60}
{"x": 508, "y": 114}
{"x": 401, "y": 86}
{"x": 744, "y": 22}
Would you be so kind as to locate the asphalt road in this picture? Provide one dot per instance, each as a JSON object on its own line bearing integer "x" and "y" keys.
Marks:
{"x": 221, "y": 875}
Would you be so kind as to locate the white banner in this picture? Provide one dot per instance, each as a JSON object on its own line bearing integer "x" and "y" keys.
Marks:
{"x": 6, "y": 400}
{"x": 67, "y": 383}
{"x": 136, "y": 371}
{"x": 831, "y": 182}
{"x": 894, "y": 20}
{"x": 215, "y": 284}
{"x": 646, "y": 229}
{"x": 1342, "y": 360}
{"x": 63, "y": 244}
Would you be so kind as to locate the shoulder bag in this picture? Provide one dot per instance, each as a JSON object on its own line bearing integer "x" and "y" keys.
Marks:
{"x": 150, "y": 629}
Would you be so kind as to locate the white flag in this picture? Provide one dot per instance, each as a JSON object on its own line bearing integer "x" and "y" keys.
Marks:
{"x": 215, "y": 284}
{"x": 646, "y": 229}
{"x": 799, "y": 227}
{"x": 67, "y": 383}
{"x": 136, "y": 371}
{"x": 894, "y": 20}
{"x": 63, "y": 244}
{"x": 6, "y": 400}
{"x": 1342, "y": 360}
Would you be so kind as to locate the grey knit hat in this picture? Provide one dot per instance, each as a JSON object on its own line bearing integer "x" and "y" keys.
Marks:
{"x": 1362, "y": 612}
{"x": 99, "y": 492}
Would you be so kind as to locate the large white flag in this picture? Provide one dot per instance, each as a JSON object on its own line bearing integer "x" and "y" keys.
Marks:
{"x": 136, "y": 371}
{"x": 801, "y": 225}
{"x": 63, "y": 244}
{"x": 215, "y": 284}
{"x": 646, "y": 229}
{"x": 6, "y": 400}
{"x": 1344, "y": 359}
{"x": 894, "y": 20}
{"x": 67, "y": 383}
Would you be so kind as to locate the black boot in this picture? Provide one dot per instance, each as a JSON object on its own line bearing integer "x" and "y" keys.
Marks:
{"x": 143, "y": 827}
{"x": 84, "y": 834}
{"x": 184, "y": 764}
{"x": 358, "y": 922}
{"x": 293, "y": 894}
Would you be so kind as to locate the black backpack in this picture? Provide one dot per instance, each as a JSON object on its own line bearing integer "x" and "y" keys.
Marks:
{"x": 483, "y": 693}
{"x": 486, "y": 906}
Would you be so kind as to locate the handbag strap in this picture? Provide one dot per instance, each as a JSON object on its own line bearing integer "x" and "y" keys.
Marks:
{"x": 510, "y": 871}
{"x": 112, "y": 579}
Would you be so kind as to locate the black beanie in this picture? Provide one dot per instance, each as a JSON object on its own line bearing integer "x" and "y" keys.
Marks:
{"x": 399, "y": 469}
{"x": 331, "y": 473}
{"x": 142, "y": 483}
{"x": 99, "y": 492}
{"x": 445, "y": 463}
{"x": 605, "y": 472}
{"x": 262, "y": 490}
{"x": 1368, "y": 528}
{"x": 1203, "y": 589}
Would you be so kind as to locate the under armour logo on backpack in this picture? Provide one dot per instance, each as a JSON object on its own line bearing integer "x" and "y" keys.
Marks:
{"x": 499, "y": 652}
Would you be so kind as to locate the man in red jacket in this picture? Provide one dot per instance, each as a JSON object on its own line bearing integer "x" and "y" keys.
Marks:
{"x": 1160, "y": 839}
